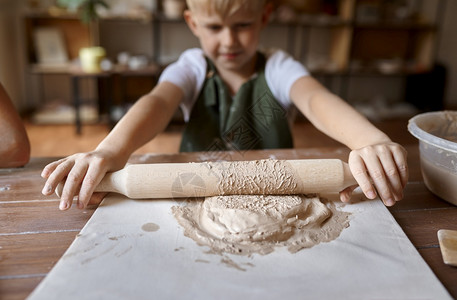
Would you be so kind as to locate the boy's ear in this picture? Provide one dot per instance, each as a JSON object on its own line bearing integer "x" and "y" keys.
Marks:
{"x": 267, "y": 10}
{"x": 190, "y": 21}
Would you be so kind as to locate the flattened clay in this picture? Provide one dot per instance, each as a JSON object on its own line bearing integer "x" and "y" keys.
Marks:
{"x": 246, "y": 224}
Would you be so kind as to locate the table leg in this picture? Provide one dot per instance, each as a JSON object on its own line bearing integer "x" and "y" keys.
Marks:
{"x": 76, "y": 103}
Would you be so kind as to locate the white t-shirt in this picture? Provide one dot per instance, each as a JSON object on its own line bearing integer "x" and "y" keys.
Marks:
{"x": 189, "y": 73}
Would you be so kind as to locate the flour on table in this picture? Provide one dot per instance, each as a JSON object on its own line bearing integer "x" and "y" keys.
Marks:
{"x": 246, "y": 224}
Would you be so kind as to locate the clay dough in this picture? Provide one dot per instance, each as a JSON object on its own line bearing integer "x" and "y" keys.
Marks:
{"x": 246, "y": 224}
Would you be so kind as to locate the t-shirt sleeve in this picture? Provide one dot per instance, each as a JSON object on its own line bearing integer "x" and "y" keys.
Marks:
{"x": 188, "y": 73}
{"x": 281, "y": 71}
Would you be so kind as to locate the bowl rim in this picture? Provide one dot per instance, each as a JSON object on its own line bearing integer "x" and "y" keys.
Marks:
{"x": 429, "y": 138}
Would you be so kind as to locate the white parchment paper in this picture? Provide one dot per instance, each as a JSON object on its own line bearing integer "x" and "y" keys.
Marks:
{"x": 114, "y": 257}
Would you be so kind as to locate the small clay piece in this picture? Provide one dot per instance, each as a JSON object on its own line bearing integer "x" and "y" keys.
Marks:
{"x": 448, "y": 245}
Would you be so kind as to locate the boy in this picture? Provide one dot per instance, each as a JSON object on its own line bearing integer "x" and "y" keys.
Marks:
{"x": 227, "y": 83}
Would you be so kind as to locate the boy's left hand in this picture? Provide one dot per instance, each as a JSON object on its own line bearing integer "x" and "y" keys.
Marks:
{"x": 379, "y": 169}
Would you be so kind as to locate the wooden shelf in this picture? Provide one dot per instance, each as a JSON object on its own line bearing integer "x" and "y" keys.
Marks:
{"x": 50, "y": 69}
{"x": 400, "y": 25}
{"x": 76, "y": 35}
{"x": 328, "y": 44}
{"x": 314, "y": 21}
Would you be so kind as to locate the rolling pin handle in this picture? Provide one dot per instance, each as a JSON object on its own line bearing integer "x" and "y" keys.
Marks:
{"x": 349, "y": 179}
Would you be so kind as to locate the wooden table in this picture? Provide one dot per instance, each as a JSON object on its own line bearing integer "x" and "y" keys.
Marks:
{"x": 34, "y": 234}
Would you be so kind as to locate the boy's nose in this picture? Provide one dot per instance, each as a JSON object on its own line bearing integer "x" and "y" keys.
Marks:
{"x": 228, "y": 37}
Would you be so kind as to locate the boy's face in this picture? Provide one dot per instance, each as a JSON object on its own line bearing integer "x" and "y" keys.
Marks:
{"x": 230, "y": 42}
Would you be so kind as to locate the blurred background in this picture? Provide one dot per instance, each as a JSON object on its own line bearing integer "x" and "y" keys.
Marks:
{"x": 391, "y": 59}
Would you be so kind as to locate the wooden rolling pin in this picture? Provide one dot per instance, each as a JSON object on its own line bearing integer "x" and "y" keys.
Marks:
{"x": 182, "y": 180}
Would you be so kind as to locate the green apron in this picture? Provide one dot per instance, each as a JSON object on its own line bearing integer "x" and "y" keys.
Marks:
{"x": 252, "y": 119}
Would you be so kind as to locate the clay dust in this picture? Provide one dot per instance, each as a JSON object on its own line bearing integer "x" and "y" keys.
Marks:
{"x": 259, "y": 177}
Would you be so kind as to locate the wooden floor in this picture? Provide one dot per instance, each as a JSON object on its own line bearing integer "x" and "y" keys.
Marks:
{"x": 62, "y": 140}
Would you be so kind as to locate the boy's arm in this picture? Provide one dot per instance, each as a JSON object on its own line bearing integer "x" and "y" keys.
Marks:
{"x": 14, "y": 142}
{"x": 376, "y": 162}
{"x": 149, "y": 116}
{"x": 84, "y": 171}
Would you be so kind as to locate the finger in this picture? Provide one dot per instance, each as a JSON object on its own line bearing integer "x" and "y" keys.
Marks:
{"x": 345, "y": 195}
{"x": 359, "y": 171}
{"x": 72, "y": 185}
{"x": 392, "y": 175}
{"x": 376, "y": 172}
{"x": 402, "y": 167}
{"x": 96, "y": 198}
{"x": 58, "y": 175}
{"x": 49, "y": 168}
{"x": 93, "y": 177}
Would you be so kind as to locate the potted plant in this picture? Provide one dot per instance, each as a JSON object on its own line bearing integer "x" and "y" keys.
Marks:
{"x": 87, "y": 9}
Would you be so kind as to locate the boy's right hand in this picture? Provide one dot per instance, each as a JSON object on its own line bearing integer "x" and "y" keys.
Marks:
{"x": 82, "y": 172}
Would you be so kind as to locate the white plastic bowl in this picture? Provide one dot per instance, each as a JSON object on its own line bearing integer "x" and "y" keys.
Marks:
{"x": 437, "y": 134}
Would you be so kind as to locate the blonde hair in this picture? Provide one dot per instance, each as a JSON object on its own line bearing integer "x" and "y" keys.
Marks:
{"x": 224, "y": 7}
